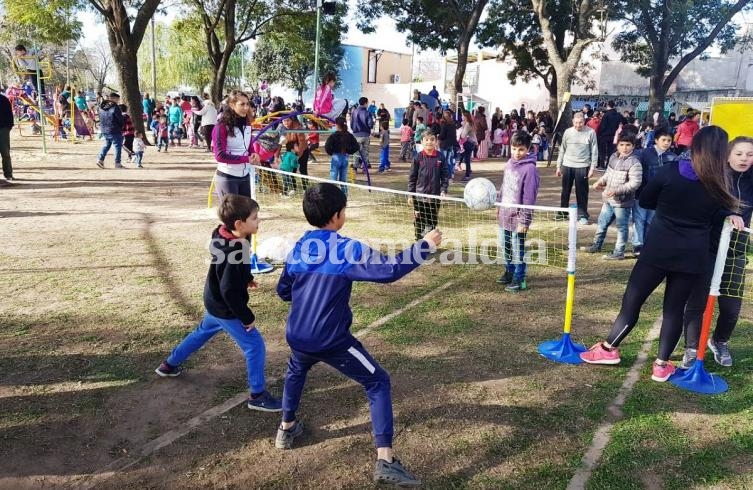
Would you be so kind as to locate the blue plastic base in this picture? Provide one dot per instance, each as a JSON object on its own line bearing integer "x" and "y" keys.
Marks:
{"x": 562, "y": 350}
{"x": 258, "y": 267}
{"x": 697, "y": 380}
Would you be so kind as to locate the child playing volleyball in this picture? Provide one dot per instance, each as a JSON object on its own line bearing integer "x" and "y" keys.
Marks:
{"x": 689, "y": 197}
{"x": 733, "y": 279}
{"x": 520, "y": 185}
{"x": 226, "y": 300}
{"x": 317, "y": 280}
{"x": 428, "y": 175}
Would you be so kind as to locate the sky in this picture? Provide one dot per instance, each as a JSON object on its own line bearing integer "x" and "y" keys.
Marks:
{"x": 386, "y": 36}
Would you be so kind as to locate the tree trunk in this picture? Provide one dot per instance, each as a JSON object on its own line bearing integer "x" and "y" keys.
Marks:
{"x": 127, "y": 63}
{"x": 457, "y": 85}
{"x": 656, "y": 96}
{"x": 219, "y": 73}
{"x": 554, "y": 107}
{"x": 564, "y": 77}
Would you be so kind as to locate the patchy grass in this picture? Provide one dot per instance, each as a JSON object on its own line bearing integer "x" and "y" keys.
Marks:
{"x": 91, "y": 310}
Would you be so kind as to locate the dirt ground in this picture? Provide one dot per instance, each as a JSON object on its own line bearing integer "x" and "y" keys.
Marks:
{"x": 102, "y": 273}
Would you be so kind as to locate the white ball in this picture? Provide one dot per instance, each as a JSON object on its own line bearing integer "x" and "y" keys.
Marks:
{"x": 274, "y": 249}
{"x": 480, "y": 194}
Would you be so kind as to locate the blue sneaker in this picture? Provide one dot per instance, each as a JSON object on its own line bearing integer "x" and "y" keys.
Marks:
{"x": 166, "y": 370}
{"x": 265, "y": 403}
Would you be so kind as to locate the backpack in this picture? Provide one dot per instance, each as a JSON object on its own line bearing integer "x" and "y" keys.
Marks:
{"x": 270, "y": 141}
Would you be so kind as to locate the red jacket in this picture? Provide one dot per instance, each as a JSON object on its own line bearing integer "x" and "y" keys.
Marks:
{"x": 594, "y": 124}
{"x": 685, "y": 132}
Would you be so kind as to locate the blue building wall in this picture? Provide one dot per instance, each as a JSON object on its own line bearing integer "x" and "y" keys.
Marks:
{"x": 350, "y": 74}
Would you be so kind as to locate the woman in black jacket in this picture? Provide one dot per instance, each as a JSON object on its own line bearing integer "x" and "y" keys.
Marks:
{"x": 448, "y": 141}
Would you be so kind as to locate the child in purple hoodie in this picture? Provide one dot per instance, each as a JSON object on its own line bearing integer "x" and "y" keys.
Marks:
{"x": 520, "y": 186}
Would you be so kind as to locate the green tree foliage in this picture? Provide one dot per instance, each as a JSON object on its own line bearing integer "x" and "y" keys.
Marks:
{"x": 430, "y": 24}
{"x": 285, "y": 52}
{"x": 229, "y": 23}
{"x": 662, "y": 36}
{"x": 514, "y": 28}
{"x": 48, "y": 21}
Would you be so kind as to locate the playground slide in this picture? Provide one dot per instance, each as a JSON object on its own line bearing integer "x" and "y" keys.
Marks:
{"x": 33, "y": 105}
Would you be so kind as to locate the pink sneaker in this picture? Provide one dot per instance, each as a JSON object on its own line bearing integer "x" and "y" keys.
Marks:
{"x": 662, "y": 373}
{"x": 599, "y": 355}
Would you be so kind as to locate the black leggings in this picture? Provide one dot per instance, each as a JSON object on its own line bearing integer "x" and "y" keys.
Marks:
{"x": 643, "y": 280}
{"x": 426, "y": 212}
{"x": 730, "y": 303}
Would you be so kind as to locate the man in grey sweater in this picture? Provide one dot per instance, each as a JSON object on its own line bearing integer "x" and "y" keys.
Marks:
{"x": 578, "y": 155}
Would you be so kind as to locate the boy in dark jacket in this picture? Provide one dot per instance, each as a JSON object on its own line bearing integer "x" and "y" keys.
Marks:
{"x": 428, "y": 175}
{"x": 226, "y": 300}
{"x": 339, "y": 145}
{"x": 317, "y": 280}
{"x": 111, "y": 126}
{"x": 651, "y": 160}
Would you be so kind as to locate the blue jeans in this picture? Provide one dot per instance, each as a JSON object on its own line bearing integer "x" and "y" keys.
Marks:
{"x": 514, "y": 250}
{"x": 115, "y": 140}
{"x": 338, "y": 170}
{"x": 449, "y": 157}
{"x": 468, "y": 148}
{"x": 137, "y": 157}
{"x": 384, "y": 159}
{"x": 173, "y": 127}
{"x": 642, "y": 217}
{"x": 251, "y": 343}
{"x": 622, "y": 218}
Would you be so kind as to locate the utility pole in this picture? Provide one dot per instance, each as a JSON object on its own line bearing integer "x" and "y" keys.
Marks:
{"x": 318, "y": 36}
{"x": 154, "y": 64}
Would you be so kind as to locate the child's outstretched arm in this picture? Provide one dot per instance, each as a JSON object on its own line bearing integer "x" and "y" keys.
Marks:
{"x": 373, "y": 266}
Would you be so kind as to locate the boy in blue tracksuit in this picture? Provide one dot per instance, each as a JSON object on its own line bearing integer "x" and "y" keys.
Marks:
{"x": 226, "y": 300}
{"x": 317, "y": 280}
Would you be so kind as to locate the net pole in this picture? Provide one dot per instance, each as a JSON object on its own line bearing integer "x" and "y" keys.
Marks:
{"x": 716, "y": 281}
{"x": 572, "y": 240}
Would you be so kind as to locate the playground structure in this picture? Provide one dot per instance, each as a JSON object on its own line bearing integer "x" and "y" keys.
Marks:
{"x": 46, "y": 114}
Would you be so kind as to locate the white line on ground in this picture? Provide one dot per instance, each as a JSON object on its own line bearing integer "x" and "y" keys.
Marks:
{"x": 614, "y": 414}
{"x": 92, "y": 480}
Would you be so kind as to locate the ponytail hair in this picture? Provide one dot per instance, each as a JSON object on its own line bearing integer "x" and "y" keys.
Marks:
{"x": 709, "y": 152}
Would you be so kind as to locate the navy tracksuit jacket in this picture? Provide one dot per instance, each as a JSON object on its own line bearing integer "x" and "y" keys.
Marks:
{"x": 317, "y": 280}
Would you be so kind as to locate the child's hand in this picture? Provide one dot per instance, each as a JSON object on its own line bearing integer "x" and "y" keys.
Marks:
{"x": 558, "y": 172}
{"x": 609, "y": 194}
{"x": 737, "y": 222}
{"x": 253, "y": 285}
{"x": 522, "y": 229}
{"x": 598, "y": 186}
{"x": 250, "y": 327}
{"x": 434, "y": 237}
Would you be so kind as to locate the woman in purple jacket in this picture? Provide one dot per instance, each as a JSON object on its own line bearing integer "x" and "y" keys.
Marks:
{"x": 231, "y": 142}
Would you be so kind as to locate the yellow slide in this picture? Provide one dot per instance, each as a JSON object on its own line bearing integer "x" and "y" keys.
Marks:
{"x": 33, "y": 105}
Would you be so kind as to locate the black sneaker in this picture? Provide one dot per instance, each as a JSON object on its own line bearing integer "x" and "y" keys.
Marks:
{"x": 591, "y": 249}
{"x": 516, "y": 286}
{"x": 166, "y": 370}
{"x": 285, "y": 438}
{"x": 505, "y": 278}
{"x": 637, "y": 250}
{"x": 394, "y": 474}
{"x": 265, "y": 403}
{"x": 100, "y": 164}
{"x": 721, "y": 352}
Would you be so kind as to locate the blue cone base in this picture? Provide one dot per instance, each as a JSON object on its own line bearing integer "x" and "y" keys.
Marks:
{"x": 562, "y": 350}
{"x": 697, "y": 380}
{"x": 260, "y": 267}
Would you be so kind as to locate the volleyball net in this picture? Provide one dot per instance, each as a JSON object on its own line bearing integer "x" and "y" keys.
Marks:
{"x": 391, "y": 219}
